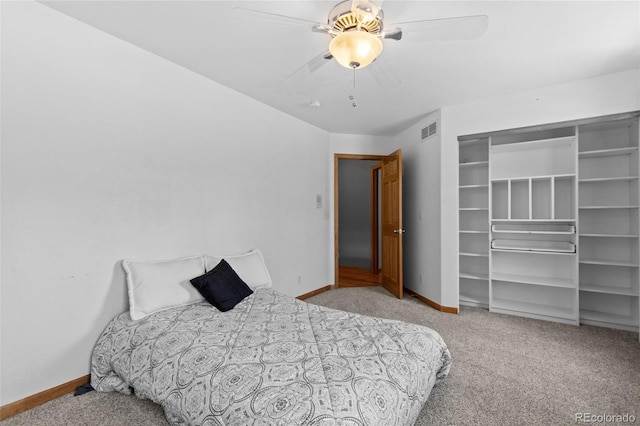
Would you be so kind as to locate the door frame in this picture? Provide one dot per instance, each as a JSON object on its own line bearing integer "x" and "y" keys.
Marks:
{"x": 375, "y": 179}
{"x": 336, "y": 207}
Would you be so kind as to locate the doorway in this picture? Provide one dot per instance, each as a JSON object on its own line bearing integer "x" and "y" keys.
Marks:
{"x": 381, "y": 225}
{"x": 358, "y": 220}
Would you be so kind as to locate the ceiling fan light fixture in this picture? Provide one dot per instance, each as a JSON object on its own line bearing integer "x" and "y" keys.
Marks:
{"x": 355, "y": 49}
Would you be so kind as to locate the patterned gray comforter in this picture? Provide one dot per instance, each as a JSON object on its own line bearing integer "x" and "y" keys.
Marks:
{"x": 272, "y": 360}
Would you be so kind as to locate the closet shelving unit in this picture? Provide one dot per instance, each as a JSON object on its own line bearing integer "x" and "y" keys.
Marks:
{"x": 550, "y": 224}
{"x": 608, "y": 194}
{"x": 473, "y": 222}
{"x": 533, "y": 270}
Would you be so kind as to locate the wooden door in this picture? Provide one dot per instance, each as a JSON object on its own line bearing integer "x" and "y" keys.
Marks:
{"x": 392, "y": 223}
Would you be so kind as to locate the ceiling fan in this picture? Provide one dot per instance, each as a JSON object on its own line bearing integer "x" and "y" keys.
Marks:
{"x": 357, "y": 31}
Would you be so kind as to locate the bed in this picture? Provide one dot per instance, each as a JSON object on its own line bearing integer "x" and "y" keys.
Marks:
{"x": 270, "y": 360}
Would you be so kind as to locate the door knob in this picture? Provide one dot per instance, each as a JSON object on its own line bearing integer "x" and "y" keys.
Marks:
{"x": 399, "y": 231}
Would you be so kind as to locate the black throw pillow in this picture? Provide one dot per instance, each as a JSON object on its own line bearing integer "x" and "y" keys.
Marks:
{"x": 222, "y": 287}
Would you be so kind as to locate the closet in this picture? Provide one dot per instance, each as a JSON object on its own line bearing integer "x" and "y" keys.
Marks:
{"x": 548, "y": 221}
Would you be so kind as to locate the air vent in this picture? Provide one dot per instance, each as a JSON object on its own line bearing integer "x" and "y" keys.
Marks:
{"x": 430, "y": 130}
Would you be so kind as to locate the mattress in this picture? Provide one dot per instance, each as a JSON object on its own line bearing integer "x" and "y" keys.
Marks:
{"x": 272, "y": 360}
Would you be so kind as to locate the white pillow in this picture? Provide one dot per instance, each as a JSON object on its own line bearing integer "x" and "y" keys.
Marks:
{"x": 249, "y": 266}
{"x": 157, "y": 285}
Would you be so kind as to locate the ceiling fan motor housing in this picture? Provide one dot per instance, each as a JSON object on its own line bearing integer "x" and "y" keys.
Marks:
{"x": 342, "y": 19}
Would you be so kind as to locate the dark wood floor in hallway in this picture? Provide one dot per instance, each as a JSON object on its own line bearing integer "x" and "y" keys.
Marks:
{"x": 350, "y": 276}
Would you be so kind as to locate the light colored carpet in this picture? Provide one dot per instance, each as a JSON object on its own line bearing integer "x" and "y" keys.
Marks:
{"x": 506, "y": 371}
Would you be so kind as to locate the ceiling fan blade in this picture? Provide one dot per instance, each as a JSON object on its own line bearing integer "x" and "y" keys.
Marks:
{"x": 310, "y": 67}
{"x": 393, "y": 34}
{"x": 259, "y": 15}
{"x": 460, "y": 28}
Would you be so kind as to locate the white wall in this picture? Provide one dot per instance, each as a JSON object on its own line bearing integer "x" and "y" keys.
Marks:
{"x": 421, "y": 208}
{"x": 609, "y": 94}
{"x": 109, "y": 152}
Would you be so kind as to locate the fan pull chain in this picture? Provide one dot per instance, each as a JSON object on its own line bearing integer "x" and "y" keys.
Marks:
{"x": 354, "y": 78}
{"x": 352, "y": 98}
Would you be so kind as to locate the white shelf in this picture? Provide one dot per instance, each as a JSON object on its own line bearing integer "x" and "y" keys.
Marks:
{"x": 473, "y": 231}
{"x": 474, "y": 164}
{"x": 593, "y": 235}
{"x": 534, "y": 309}
{"x": 626, "y": 263}
{"x": 604, "y": 317}
{"x": 622, "y": 291}
{"x": 539, "y": 144}
{"x": 527, "y": 279}
{"x": 536, "y": 252}
{"x": 527, "y": 177}
{"x": 609, "y": 179}
{"x": 534, "y": 246}
{"x": 534, "y": 228}
{"x": 474, "y": 276}
{"x": 474, "y": 301}
{"x": 472, "y": 254}
{"x": 534, "y": 232}
{"x": 494, "y": 220}
{"x": 474, "y": 186}
{"x": 468, "y": 209}
{"x": 607, "y": 152}
{"x": 608, "y": 207}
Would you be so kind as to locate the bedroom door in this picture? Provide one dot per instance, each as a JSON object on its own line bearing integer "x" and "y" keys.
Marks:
{"x": 392, "y": 223}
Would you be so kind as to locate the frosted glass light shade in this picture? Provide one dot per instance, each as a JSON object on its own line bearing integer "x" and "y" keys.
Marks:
{"x": 355, "y": 49}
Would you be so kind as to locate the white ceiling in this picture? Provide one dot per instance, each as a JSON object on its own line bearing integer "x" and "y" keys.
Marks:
{"x": 528, "y": 44}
